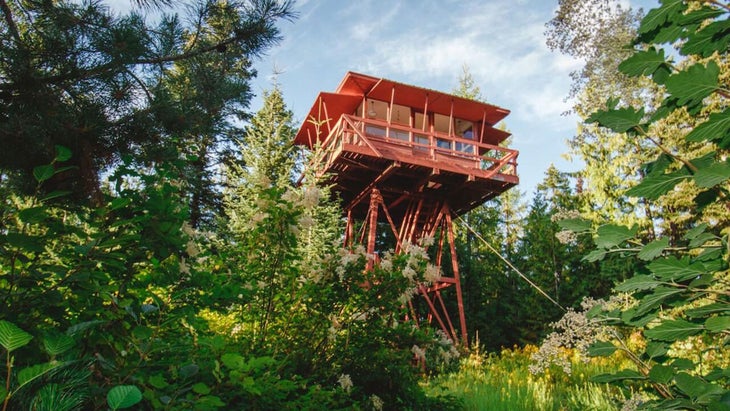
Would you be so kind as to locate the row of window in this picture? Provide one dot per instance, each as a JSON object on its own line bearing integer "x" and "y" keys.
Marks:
{"x": 376, "y": 109}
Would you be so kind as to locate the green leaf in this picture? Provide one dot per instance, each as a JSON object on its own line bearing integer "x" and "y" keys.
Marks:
{"x": 24, "y": 242}
{"x": 655, "y": 299}
{"x": 654, "y": 249}
{"x": 62, "y": 153}
{"x": 12, "y": 337}
{"x": 712, "y": 38}
{"x": 708, "y": 309}
{"x": 33, "y": 215}
{"x": 43, "y": 173}
{"x": 81, "y": 327}
{"x": 718, "y": 324}
{"x": 673, "y": 330}
{"x": 158, "y": 381}
{"x": 29, "y": 374}
{"x": 710, "y": 176}
{"x": 601, "y": 349}
{"x": 577, "y": 225}
{"x": 672, "y": 269}
{"x": 691, "y": 385}
{"x": 656, "y": 349}
{"x": 692, "y": 85}
{"x": 618, "y": 376}
{"x": 657, "y": 17}
{"x": 638, "y": 282}
{"x": 233, "y": 361}
{"x": 610, "y": 235}
{"x": 55, "y": 194}
{"x": 654, "y": 186}
{"x": 643, "y": 63}
{"x": 595, "y": 255}
{"x": 3, "y": 393}
{"x": 701, "y": 239}
{"x": 58, "y": 344}
{"x": 694, "y": 232}
{"x": 123, "y": 396}
{"x": 619, "y": 120}
{"x": 715, "y": 128}
{"x": 661, "y": 373}
{"x": 201, "y": 388}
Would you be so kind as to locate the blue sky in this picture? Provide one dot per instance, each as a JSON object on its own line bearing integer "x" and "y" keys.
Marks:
{"x": 426, "y": 43}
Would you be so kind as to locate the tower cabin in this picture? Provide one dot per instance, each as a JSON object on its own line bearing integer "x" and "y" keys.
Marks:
{"x": 411, "y": 158}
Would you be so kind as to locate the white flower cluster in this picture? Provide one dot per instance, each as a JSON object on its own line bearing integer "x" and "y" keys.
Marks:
{"x": 419, "y": 352}
{"x": 345, "y": 382}
{"x": 377, "y": 402}
{"x": 573, "y": 330}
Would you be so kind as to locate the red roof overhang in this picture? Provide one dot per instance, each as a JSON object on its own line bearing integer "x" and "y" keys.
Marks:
{"x": 328, "y": 107}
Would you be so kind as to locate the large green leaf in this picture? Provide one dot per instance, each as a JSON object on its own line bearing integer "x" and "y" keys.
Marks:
{"x": 718, "y": 324}
{"x": 661, "y": 373}
{"x": 696, "y": 388}
{"x": 655, "y": 299}
{"x": 12, "y": 337}
{"x": 619, "y": 120}
{"x": 643, "y": 62}
{"x": 659, "y": 16}
{"x": 654, "y": 186}
{"x": 673, "y": 269}
{"x": 62, "y": 153}
{"x": 123, "y": 396}
{"x": 610, "y": 235}
{"x": 638, "y": 282}
{"x": 708, "y": 309}
{"x": 691, "y": 86}
{"x": 601, "y": 349}
{"x": 715, "y": 128}
{"x": 715, "y": 174}
{"x": 654, "y": 249}
{"x": 673, "y": 330}
{"x": 43, "y": 173}
{"x": 58, "y": 344}
{"x": 713, "y": 37}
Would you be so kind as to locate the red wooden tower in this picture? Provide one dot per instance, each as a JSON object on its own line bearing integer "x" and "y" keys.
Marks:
{"x": 411, "y": 159}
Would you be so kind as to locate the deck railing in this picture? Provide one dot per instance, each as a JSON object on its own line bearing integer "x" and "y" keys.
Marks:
{"x": 435, "y": 146}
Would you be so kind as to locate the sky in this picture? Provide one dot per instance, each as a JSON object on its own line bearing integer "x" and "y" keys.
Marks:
{"x": 427, "y": 43}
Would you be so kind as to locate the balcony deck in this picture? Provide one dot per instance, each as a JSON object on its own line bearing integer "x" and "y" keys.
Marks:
{"x": 406, "y": 163}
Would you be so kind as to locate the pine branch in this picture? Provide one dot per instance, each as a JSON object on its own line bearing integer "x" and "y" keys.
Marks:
{"x": 8, "y": 14}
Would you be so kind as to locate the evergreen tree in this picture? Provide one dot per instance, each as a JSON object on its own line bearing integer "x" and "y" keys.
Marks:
{"x": 78, "y": 75}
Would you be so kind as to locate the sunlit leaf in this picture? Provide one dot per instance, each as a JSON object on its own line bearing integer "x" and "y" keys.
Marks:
{"x": 644, "y": 62}
{"x": 653, "y": 187}
{"x": 654, "y": 249}
{"x": 714, "y": 37}
{"x": 691, "y": 86}
{"x": 712, "y": 175}
{"x": 673, "y": 269}
{"x": 708, "y": 309}
{"x": 601, "y": 349}
{"x": 673, "y": 330}
{"x": 638, "y": 282}
{"x": 619, "y": 120}
{"x": 715, "y": 128}
{"x": 657, "y": 17}
{"x": 655, "y": 299}
{"x": 610, "y": 235}
{"x": 694, "y": 232}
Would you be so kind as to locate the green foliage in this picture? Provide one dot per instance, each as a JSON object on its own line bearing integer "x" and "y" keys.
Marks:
{"x": 683, "y": 288}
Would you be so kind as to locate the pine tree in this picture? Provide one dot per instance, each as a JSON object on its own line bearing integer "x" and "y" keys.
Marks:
{"x": 78, "y": 75}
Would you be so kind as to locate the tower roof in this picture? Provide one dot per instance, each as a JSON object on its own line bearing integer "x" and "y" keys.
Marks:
{"x": 355, "y": 87}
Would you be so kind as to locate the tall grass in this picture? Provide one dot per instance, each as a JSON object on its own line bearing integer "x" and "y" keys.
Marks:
{"x": 503, "y": 382}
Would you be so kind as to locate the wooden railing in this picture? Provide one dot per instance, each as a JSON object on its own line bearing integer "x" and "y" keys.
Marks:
{"x": 374, "y": 133}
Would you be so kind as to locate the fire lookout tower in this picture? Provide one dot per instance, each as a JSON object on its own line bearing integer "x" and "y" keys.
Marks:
{"x": 410, "y": 159}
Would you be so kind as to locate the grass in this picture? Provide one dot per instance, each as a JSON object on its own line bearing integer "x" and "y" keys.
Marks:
{"x": 503, "y": 382}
